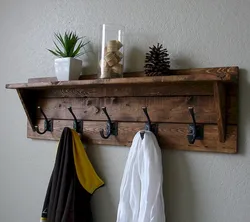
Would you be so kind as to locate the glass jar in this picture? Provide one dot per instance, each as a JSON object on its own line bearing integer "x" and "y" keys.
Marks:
{"x": 111, "y": 53}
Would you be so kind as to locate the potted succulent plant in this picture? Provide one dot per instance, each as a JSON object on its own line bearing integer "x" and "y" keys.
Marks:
{"x": 67, "y": 67}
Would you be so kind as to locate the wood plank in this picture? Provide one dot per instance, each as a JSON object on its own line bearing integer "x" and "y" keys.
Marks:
{"x": 225, "y": 74}
{"x": 220, "y": 106}
{"x": 171, "y": 136}
{"x": 160, "y": 109}
{"x": 232, "y": 89}
{"x": 42, "y": 79}
{"x": 222, "y": 73}
{"x": 171, "y": 89}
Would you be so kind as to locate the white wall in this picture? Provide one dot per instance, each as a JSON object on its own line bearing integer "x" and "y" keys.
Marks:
{"x": 198, "y": 187}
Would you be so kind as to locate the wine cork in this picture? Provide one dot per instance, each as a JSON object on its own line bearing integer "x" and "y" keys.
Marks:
{"x": 111, "y": 58}
{"x": 118, "y": 68}
{"x": 103, "y": 63}
{"x": 112, "y": 46}
{"x": 105, "y": 72}
{"x": 119, "y": 55}
{"x": 119, "y": 44}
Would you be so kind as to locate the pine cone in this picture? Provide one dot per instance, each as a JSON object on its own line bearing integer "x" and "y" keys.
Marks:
{"x": 157, "y": 62}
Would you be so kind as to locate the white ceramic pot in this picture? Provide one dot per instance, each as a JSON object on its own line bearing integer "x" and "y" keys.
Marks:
{"x": 68, "y": 69}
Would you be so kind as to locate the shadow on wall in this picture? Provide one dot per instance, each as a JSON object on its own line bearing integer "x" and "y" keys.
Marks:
{"x": 107, "y": 208}
{"x": 179, "y": 194}
{"x": 243, "y": 110}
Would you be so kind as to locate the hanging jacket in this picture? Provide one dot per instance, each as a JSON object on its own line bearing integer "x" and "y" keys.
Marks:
{"x": 72, "y": 183}
{"x": 141, "y": 196}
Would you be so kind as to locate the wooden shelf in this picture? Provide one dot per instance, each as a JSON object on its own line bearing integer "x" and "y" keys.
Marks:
{"x": 225, "y": 74}
{"x": 213, "y": 92}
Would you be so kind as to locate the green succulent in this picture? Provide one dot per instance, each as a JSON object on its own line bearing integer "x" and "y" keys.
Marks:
{"x": 71, "y": 45}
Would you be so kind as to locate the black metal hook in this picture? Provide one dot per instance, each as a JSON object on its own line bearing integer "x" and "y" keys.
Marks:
{"x": 112, "y": 127}
{"x": 194, "y": 131}
{"x": 77, "y": 124}
{"x": 149, "y": 126}
{"x": 48, "y": 123}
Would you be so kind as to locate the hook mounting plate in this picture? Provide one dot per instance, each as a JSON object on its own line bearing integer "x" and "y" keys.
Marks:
{"x": 48, "y": 125}
{"x": 78, "y": 126}
{"x": 113, "y": 128}
{"x": 199, "y": 131}
{"x": 154, "y": 128}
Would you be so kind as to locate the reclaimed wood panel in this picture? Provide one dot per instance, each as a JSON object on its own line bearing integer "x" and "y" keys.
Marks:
{"x": 201, "y": 71}
{"x": 42, "y": 79}
{"x": 213, "y": 92}
{"x": 160, "y": 109}
{"x": 171, "y": 136}
{"x": 222, "y": 73}
{"x": 232, "y": 89}
{"x": 170, "y": 89}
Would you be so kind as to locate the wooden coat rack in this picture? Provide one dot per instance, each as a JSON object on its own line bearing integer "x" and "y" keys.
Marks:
{"x": 213, "y": 92}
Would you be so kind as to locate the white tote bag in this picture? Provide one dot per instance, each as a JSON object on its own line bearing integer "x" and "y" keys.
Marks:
{"x": 141, "y": 196}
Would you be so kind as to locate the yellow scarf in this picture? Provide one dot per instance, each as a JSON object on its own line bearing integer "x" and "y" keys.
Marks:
{"x": 84, "y": 169}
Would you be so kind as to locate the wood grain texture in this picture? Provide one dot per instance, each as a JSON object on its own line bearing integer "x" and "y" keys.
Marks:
{"x": 225, "y": 74}
{"x": 160, "y": 109}
{"x": 220, "y": 107}
{"x": 171, "y": 136}
{"x": 170, "y": 89}
{"x": 232, "y": 89}
{"x": 42, "y": 79}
